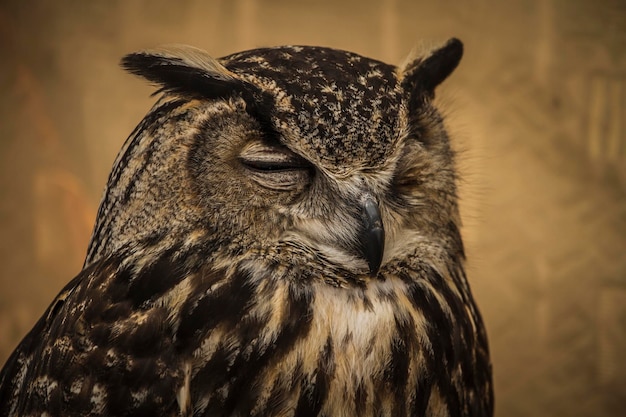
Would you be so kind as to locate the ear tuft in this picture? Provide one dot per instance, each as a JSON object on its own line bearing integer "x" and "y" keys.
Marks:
{"x": 184, "y": 70}
{"x": 421, "y": 76}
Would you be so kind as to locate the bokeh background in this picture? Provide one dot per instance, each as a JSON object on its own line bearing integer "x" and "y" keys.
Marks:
{"x": 537, "y": 110}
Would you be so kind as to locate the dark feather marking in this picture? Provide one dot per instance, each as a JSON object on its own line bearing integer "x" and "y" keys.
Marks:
{"x": 135, "y": 179}
{"x": 99, "y": 333}
{"x": 157, "y": 278}
{"x": 282, "y": 390}
{"x": 113, "y": 312}
{"x": 451, "y": 396}
{"x": 441, "y": 360}
{"x": 213, "y": 375}
{"x": 421, "y": 397}
{"x": 277, "y": 399}
{"x": 377, "y": 406}
{"x": 55, "y": 401}
{"x": 471, "y": 349}
{"x": 225, "y": 305}
{"x": 360, "y": 398}
{"x": 315, "y": 391}
{"x": 146, "y": 338}
{"x": 397, "y": 371}
{"x": 229, "y": 359}
{"x": 245, "y": 373}
{"x": 476, "y": 366}
{"x": 55, "y": 308}
{"x": 440, "y": 328}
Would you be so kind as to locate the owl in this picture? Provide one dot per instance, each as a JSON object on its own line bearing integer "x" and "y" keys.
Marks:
{"x": 279, "y": 236}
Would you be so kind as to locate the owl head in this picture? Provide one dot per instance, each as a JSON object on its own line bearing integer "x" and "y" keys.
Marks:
{"x": 291, "y": 155}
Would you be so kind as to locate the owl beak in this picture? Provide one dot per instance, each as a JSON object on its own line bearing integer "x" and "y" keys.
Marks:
{"x": 372, "y": 235}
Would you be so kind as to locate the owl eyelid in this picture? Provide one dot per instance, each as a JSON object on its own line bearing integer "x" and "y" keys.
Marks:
{"x": 272, "y": 159}
{"x": 274, "y": 166}
{"x": 267, "y": 166}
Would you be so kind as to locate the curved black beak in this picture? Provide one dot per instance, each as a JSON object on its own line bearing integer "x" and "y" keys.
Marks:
{"x": 372, "y": 236}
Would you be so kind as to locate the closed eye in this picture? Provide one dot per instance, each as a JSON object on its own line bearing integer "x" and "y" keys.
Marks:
{"x": 276, "y": 167}
{"x": 274, "y": 163}
{"x": 259, "y": 156}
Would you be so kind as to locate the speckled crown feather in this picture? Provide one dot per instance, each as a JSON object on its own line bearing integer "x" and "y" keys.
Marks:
{"x": 341, "y": 105}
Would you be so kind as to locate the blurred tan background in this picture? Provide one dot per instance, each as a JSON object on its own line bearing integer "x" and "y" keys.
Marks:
{"x": 537, "y": 109}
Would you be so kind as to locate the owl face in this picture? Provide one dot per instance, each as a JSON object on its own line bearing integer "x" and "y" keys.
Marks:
{"x": 288, "y": 154}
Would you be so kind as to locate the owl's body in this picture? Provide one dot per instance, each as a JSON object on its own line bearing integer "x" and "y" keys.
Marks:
{"x": 278, "y": 237}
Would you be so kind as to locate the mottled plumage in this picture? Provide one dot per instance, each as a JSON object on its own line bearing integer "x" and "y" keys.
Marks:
{"x": 279, "y": 237}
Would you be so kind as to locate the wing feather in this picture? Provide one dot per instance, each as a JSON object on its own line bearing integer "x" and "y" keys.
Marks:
{"x": 93, "y": 352}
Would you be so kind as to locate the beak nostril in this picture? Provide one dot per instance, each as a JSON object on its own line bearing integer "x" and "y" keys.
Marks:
{"x": 372, "y": 235}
